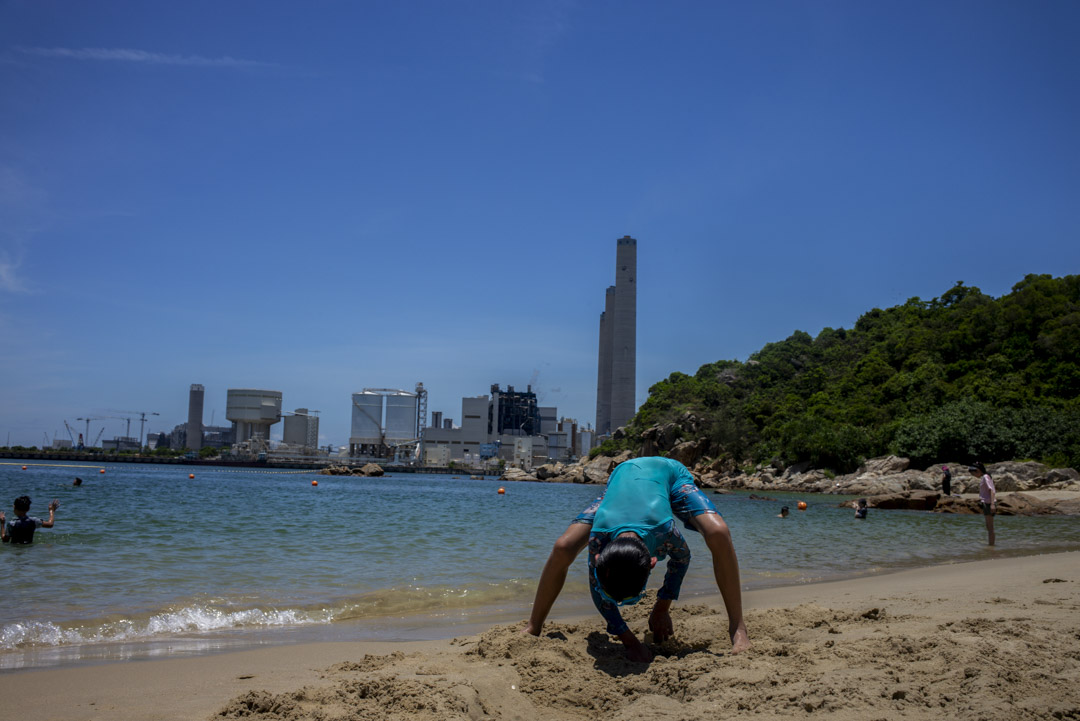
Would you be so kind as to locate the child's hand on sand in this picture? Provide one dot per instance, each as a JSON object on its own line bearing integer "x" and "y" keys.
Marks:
{"x": 635, "y": 649}
{"x": 660, "y": 625}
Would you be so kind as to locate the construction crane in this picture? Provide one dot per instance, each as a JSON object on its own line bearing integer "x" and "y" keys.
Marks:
{"x": 96, "y": 418}
{"x": 99, "y": 435}
{"x": 71, "y": 433}
{"x": 88, "y": 419}
{"x": 142, "y": 422}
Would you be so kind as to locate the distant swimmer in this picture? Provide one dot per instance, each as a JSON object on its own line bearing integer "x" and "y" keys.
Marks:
{"x": 77, "y": 481}
{"x": 783, "y": 512}
{"x": 21, "y": 530}
{"x": 860, "y": 508}
{"x": 946, "y": 481}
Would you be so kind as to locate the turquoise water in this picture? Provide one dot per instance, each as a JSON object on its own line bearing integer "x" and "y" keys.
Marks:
{"x": 144, "y": 561}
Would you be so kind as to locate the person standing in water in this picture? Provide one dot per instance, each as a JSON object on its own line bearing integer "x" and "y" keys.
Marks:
{"x": 21, "y": 530}
{"x": 987, "y": 497}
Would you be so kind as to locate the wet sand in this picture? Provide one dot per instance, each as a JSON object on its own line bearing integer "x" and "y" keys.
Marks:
{"x": 993, "y": 639}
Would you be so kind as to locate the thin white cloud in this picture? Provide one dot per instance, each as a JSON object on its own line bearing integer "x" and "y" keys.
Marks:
{"x": 142, "y": 56}
{"x": 9, "y": 276}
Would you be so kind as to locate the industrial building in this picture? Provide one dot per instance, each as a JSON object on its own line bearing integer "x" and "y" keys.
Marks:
{"x": 616, "y": 373}
{"x": 506, "y": 425}
{"x": 217, "y": 436}
{"x": 195, "y": 416}
{"x": 387, "y": 420}
{"x": 252, "y": 413}
{"x": 302, "y": 429}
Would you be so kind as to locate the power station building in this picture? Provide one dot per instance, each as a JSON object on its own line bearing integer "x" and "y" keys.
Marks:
{"x": 510, "y": 425}
{"x": 252, "y": 412}
{"x": 195, "y": 416}
{"x": 616, "y": 373}
{"x": 384, "y": 419}
{"x": 301, "y": 428}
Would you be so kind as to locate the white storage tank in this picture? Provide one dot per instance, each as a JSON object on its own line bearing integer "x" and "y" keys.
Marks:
{"x": 401, "y": 415}
{"x": 252, "y": 412}
{"x": 367, "y": 413}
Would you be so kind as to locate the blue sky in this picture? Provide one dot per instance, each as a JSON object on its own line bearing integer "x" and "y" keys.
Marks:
{"x": 320, "y": 197}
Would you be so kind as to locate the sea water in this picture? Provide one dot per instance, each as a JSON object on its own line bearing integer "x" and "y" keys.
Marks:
{"x": 144, "y": 561}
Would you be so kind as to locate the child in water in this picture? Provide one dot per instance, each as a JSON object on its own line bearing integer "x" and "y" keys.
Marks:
{"x": 860, "y": 508}
{"x": 21, "y": 530}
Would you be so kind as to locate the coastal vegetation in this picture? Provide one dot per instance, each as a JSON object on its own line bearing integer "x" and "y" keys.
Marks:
{"x": 964, "y": 376}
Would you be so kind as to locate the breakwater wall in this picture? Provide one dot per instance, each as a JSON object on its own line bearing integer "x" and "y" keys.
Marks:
{"x": 299, "y": 465}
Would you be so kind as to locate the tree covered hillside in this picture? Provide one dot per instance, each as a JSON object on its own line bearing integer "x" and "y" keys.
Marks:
{"x": 961, "y": 377}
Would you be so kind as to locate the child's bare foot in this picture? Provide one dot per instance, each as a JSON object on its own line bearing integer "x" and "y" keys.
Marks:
{"x": 740, "y": 640}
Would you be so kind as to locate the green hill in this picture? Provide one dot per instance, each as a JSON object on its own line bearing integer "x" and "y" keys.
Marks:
{"x": 961, "y": 377}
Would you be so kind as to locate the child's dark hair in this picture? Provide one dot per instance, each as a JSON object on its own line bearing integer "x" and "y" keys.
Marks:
{"x": 22, "y": 504}
{"x": 862, "y": 503}
{"x": 981, "y": 467}
{"x": 623, "y": 566}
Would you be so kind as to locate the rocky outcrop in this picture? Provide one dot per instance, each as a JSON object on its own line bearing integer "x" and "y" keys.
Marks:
{"x": 689, "y": 453}
{"x": 595, "y": 471}
{"x": 548, "y": 471}
{"x": 889, "y": 475}
{"x": 1008, "y": 504}
{"x": 905, "y": 500}
{"x": 663, "y": 439}
{"x": 516, "y": 474}
{"x": 598, "y": 469}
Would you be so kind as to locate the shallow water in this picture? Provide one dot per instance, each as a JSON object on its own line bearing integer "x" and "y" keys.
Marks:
{"x": 144, "y": 561}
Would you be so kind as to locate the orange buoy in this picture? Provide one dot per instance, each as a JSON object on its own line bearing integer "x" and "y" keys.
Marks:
{"x": 102, "y": 470}
{"x": 502, "y": 490}
{"x": 802, "y": 505}
{"x": 24, "y": 468}
{"x": 314, "y": 483}
{"x": 191, "y": 475}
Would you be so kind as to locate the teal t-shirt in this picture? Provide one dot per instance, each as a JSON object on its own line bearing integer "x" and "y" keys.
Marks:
{"x": 638, "y": 497}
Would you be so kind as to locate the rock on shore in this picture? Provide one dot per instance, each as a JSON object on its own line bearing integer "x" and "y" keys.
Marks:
{"x": 595, "y": 471}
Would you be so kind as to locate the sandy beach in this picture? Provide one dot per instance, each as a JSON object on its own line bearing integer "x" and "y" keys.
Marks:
{"x": 996, "y": 639}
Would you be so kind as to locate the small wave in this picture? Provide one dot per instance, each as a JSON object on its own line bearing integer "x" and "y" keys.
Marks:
{"x": 191, "y": 619}
{"x": 208, "y": 617}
